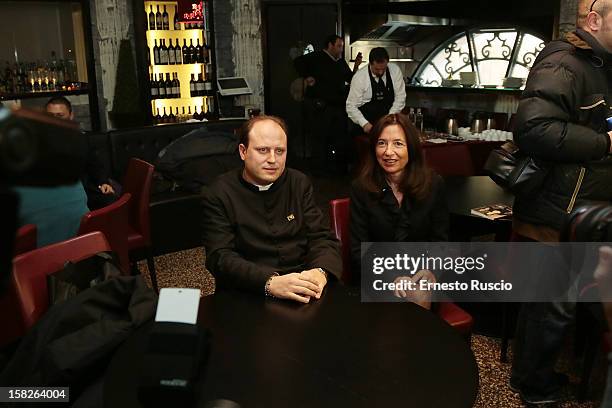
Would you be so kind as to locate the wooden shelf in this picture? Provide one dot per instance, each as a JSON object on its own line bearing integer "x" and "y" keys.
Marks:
{"x": 45, "y": 94}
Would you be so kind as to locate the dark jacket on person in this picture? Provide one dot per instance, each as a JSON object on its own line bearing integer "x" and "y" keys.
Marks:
{"x": 561, "y": 120}
{"x": 377, "y": 217}
{"x": 250, "y": 235}
{"x": 332, "y": 77}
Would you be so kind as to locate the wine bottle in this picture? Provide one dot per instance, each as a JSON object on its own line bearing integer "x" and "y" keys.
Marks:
{"x": 165, "y": 116}
{"x": 163, "y": 53}
{"x": 177, "y": 25}
{"x": 183, "y": 115}
{"x": 162, "y": 87}
{"x": 156, "y": 55}
{"x": 192, "y": 89}
{"x": 191, "y": 51}
{"x": 178, "y": 54}
{"x": 178, "y": 86}
{"x": 171, "y": 117}
{"x": 165, "y": 19}
{"x": 195, "y": 113}
{"x": 186, "y": 59}
{"x": 198, "y": 52}
{"x": 205, "y": 52}
{"x": 158, "y": 19}
{"x": 148, "y": 55}
{"x": 168, "y": 84}
{"x": 157, "y": 120}
{"x": 151, "y": 19}
{"x": 189, "y": 116}
{"x": 154, "y": 88}
{"x": 200, "y": 86}
{"x": 171, "y": 55}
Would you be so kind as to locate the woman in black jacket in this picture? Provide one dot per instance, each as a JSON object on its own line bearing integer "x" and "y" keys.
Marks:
{"x": 396, "y": 197}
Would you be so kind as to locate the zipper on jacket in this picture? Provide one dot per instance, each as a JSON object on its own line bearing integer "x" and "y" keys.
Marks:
{"x": 570, "y": 207}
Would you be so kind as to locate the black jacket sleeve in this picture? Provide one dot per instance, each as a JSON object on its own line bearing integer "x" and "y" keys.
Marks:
{"x": 228, "y": 267}
{"x": 359, "y": 215}
{"x": 546, "y": 125}
{"x": 323, "y": 247}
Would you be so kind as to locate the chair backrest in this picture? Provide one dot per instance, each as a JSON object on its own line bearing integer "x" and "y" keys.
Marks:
{"x": 25, "y": 239}
{"x": 339, "y": 219}
{"x": 30, "y": 271}
{"x": 137, "y": 182}
{"x": 112, "y": 221}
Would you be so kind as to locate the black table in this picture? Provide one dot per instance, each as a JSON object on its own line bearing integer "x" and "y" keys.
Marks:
{"x": 465, "y": 193}
{"x": 335, "y": 352}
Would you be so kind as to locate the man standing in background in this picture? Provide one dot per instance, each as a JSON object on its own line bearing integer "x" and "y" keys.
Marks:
{"x": 326, "y": 78}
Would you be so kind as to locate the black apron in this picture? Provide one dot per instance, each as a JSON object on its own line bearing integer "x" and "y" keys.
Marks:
{"x": 383, "y": 96}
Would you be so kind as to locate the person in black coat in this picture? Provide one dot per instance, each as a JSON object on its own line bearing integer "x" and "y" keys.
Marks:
{"x": 396, "y": 197}
{"x": 326, "y": 78}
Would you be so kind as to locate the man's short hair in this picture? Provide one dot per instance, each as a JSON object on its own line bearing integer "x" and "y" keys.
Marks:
{"x": 331, "y": 39}
{"x": 378, "y": 54}
{"x": 59, "y": 100}
{"x": 246, "y": 128}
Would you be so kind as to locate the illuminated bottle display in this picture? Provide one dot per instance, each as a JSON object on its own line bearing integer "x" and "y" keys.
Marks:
{"x": 181, "y": 65}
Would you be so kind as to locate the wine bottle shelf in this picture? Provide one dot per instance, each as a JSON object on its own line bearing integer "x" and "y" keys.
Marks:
{"x": 42, "y": 94}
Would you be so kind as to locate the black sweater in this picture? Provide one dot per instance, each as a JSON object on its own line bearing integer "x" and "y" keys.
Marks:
{"x": 249, "y": 234}
{"x": 379, "y": 218}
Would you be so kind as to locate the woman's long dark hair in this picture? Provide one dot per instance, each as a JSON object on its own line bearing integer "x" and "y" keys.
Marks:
{"x": 417, "y": 177}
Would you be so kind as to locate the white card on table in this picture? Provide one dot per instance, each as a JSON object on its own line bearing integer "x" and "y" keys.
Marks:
{"x": 178, "y": 305}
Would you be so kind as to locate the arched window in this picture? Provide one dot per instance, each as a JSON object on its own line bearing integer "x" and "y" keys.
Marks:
{"x": 493, "y": 54}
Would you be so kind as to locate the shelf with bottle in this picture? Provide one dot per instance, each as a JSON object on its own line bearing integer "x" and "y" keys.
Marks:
{"x": 163, "y": 54}
{"x": 159, "y": 19}
{"x": 179, "y": 114}
{"x": 164, "y": 86}
{"x": 47, "y": 76}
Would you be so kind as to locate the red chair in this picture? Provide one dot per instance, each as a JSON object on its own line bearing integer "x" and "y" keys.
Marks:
{"x": 339, "y": 216}
{"x": 12, "y": 328}
{"x": 30, "y": 271}
{"x": 111, "y": 220}
{"x": 137, "y": 182}
{"x": 25, "y": 239}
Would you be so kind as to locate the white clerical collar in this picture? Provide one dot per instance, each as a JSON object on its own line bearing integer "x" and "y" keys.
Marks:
{"x": 263, "y": 188}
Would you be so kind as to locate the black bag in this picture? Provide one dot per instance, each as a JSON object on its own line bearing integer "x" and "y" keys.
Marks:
{"x": 76, "y": 277}
{"x": 515, "y": 171}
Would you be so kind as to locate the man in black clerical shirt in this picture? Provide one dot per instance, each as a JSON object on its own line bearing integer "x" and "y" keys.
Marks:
{"x": 263, "y": 231}
{"x": 326, "y": 76}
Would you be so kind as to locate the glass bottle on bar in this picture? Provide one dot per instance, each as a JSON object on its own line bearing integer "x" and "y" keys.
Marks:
{"x": 171, "y": 117}
{"x": 205, "y": 53}
{"x": 418, "y": 120}
{"x": 185, "y": 50}
{"x": 176, "y": 86}
{"x": 192, "y": 89}
{"x": 154, "y": 88}
{"x": 171, "y": 55}
{"x": 169, "y": 93}
{"x": 183, "y": 115}
{"x": 151, "y": 19}
{"x": 163, "y": 53}
{"x": 200, "y": 86}
{"x": 165, "y": 116}
{"x": 165, "y": 19}
{"x": 156, "y": 59}
{"x": 177, "y": 25}
{"x": 178, "y": 54}
{"x": 191, "y": 52}
{"x": 161, "y": 86}
{"x": 158, "y": 19}
{"x": 198, "y": 52}
{"x": 157, "y": 119}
